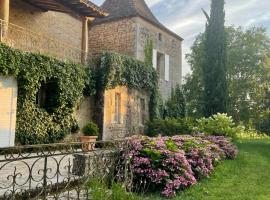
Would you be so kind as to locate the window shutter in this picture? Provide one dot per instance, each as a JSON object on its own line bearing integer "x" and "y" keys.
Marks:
{"x": 155, "y": 58}
{"x": 167, "y": 67}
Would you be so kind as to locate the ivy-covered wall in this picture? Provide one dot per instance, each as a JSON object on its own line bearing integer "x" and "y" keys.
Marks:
{"x": 34, "y": 124}
{"x": 114, "y": 70}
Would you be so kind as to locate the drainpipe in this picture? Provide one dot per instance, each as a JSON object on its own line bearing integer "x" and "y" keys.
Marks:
{"x": 4, "y": 16}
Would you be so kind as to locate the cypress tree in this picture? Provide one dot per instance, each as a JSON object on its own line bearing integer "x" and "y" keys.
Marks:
{"x": 214, "y": 67}
{"x": 176, "y": 105}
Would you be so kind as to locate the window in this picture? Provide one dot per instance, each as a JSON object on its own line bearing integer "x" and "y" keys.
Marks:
{"x": 47, "y": 96}
{"x": 161, "y": 62}
{"x": 161, "y": 65}
{"x": 160, "y": 37}
{"x": 117, "y": 108}
{"x": 155, "y": 58}
{"x": 141, "y": 111}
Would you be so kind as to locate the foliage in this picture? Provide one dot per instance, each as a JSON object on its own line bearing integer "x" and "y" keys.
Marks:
{"x": 218, "y": 125}
{"x": 116, "y": 69}
{"x": 148, "y": 52}
{"x": 100, "y": 191}
{"x": 225, "y": 145}
{"x": 248, "y": 64}
{"x": 90, "y": 129}
{"x": 169, "y": 127}
{"x": 152, "y": 162}
{"x": 34, "y": 124}
{"x": 214, "y": 69}
{"x": 262, "y": 123}
{"x": 176, "y": 105}
{"x": 242, "y": 179}
{"x": 173, "y": 164}
{"x": 201, "y": 154}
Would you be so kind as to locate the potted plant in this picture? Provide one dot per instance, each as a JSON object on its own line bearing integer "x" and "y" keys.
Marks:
{"x": 90, "y": 134}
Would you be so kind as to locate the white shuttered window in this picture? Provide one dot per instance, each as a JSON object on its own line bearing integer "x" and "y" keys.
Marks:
{"x": 155, "y": 58}
{"x": 167, "y": 67}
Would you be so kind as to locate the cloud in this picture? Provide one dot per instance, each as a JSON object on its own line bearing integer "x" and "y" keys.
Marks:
{"x": 185, "y": 17}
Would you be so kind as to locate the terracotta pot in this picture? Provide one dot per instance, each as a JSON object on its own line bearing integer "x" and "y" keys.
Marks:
{"x": 89, "y": 142}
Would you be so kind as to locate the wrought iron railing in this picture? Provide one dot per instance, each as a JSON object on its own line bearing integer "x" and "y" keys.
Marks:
{"x": 30, "y": 41}
{"x": 60, "y": 171}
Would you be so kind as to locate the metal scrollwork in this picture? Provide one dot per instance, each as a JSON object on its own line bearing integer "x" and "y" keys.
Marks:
{"x": 58, "y": 171}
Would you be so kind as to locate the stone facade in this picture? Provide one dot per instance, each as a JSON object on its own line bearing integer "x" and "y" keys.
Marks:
{"x": 59, "y": 34}
{"x": 129, "y": 36}
{"x": 119, "y": 36}
{"x": 164, "y": 43}
{"x": 54, "y": 33}
{"x": 134, "y": 112}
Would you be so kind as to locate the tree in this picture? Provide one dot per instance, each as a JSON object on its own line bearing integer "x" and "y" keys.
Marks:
{"x": 248, "y": 72}
{"x": 214, "y": 65}
{"x": 176, "y": 105}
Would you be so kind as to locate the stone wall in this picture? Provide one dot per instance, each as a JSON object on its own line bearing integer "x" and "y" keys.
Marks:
{"x": 130, "y": 122}
{"x": 65, "y": 31}
{"x": 117, "y": 36}
{"x": 128, "y": 36}
{"x": 85, "y": 111}
{"x": 168, "y": 44}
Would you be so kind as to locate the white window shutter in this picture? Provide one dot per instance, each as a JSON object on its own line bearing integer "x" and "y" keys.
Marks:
{"x": 155, "y": 58}
{"x": 167, "y": 67}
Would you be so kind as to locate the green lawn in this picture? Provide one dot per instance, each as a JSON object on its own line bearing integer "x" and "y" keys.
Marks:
{"x": 246, "y": 178}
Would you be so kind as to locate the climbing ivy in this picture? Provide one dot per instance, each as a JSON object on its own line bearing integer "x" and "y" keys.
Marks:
{"x": 35, "y": 125}
{"x": 148, "y": 52}
{"x": 116, "y": 69}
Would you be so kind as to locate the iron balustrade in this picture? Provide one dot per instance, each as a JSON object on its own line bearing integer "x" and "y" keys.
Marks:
{"x": 60, "y": 171}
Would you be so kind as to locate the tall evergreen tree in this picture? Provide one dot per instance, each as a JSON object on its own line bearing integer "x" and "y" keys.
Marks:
{"x": 176, "y": 104}
{"x": 214, "y": 66}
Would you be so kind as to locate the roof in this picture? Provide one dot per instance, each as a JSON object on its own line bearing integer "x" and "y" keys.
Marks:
{"x": 120, "y": 9}
{"x": 82, "y": 7}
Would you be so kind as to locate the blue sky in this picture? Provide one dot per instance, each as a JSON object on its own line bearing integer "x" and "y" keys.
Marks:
{"x": 185, "y": 18}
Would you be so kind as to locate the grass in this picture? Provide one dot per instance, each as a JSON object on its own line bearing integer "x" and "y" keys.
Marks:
{"x": 246, "y": 178}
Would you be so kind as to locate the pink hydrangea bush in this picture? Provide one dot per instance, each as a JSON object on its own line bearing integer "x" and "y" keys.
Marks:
{"x": 162, "y": 164}
{"x": 225, "y": 144}
{"x": 175, "y": 163}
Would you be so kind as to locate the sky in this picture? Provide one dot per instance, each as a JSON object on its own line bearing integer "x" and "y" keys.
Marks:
{"x": 185, "y": 17}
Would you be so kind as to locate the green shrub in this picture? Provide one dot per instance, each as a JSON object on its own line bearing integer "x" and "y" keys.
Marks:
{"x": 169, "y": 127}
{"x": 175, "y": 107}
{"x": 90, "y": 129}
{"x": 262, "y": 124}
{"x": 218, "y": 125}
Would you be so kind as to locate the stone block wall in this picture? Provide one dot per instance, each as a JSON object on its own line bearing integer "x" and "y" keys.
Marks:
{"x": 118, "y": 36}
{"x": 168, "y": 44}
{"x": 128, "y": 36}
{"x": 130, "y": 123}
{"x": 62, "y": 28}
{"x": 85, "y": 111}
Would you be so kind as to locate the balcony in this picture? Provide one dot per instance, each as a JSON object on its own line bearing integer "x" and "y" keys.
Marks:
{"x": 27, "y": 40}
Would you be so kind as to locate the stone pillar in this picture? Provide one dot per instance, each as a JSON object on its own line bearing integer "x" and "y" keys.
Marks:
{"x": 4, "y": 15}
{"x": 84, "y": 40}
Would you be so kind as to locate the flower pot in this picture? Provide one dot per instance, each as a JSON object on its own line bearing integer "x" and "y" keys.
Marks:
{"x": 89, "y": 142}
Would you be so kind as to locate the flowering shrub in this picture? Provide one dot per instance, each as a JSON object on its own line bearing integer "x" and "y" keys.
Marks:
{"x": 202, "y": 155}
{"x": 160, "y": 162}
{"x": 229, "y": 149}
{"x": 175, "y": 163}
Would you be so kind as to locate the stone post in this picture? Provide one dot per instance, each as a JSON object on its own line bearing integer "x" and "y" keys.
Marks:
{"x": 4, "y": 17}
{"x": 84, "y": 40}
